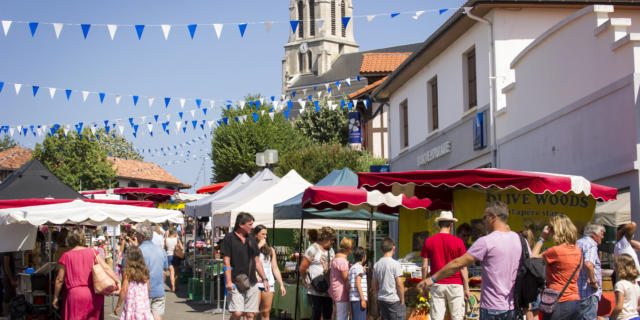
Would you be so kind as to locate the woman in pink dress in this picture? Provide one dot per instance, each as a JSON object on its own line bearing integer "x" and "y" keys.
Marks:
{"x": 81, "y": 301}
{"x": 135, "y": 288}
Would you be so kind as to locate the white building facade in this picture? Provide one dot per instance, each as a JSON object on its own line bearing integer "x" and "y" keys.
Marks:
{"x": 562, "y": 82}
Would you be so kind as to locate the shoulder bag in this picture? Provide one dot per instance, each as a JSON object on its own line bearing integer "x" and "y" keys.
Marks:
{"x": 549, "y": 297}
{"x": 103, "y": 282}
{"x": 178, "y": 251}
{"x": 321, "y": 282}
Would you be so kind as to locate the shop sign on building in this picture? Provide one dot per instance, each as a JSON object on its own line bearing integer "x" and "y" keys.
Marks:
{"x": 434, "y": 153}
{"x": 478, "y": 131}
{"x": 383, "y": 168}
{"x": 355, "y": 128}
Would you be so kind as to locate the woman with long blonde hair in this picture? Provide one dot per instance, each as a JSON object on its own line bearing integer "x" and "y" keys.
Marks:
{"x": 563, "y": 260}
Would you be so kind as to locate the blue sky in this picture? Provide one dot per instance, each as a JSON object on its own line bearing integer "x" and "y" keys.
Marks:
{"x": 202, "y": 68}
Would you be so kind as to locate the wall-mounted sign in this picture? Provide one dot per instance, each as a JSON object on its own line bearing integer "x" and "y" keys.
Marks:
{"x": 434, "y": 153}
{"x": 355, "y": 128}
{"x": 478, "y": 132}
{"x": 384, "y": 168}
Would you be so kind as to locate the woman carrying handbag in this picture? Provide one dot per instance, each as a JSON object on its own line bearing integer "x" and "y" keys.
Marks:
{"x": 561, "y": 298}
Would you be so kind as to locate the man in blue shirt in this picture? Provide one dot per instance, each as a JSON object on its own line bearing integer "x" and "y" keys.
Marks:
{"x": 590, "y": 278}
{"x": 156, "y": 260}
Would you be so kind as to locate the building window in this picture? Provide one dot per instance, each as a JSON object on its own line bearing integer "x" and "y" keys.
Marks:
{"x": 155, "y": 186}
{"x": 300, "y": 19}
{"x": 333, "y": 17}
{"x": 404, "y": 123}
{"x": 310, "y": 60}
{"x": 432, "y": 92}
{"x": 312, "y": 17}
{"x": 132, "y": 184}
{"x": 300, "y": 62}
{"x": 470, "y": 87}
{"x": 343, "y": 13}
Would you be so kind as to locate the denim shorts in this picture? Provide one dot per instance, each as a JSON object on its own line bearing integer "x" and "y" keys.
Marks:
{"x": 491, "y": 314}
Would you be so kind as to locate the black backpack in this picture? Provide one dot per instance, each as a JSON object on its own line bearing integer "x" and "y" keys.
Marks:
{"x": 530, "y": 279}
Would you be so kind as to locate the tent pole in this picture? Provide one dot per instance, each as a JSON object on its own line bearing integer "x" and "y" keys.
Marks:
{"x": 371, "y": 240}
{"x": 273, "y": 235}
{"x": 295, "y": 310}
{"x": 195, "y": 232}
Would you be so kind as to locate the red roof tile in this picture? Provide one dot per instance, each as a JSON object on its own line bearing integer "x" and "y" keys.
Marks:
{"x": 376, "y": 62}
{"x": 367, "y": 88}
{"x": 15, "y": 157}
{"x": 140, "y": 170}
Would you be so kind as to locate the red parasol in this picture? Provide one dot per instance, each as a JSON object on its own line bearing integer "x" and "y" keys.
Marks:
{"x": 150, "y": 194}
{"x": 213, "y": 187}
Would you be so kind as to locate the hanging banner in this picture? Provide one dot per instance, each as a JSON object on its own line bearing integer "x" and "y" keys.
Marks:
{"x": 355, "y": 128}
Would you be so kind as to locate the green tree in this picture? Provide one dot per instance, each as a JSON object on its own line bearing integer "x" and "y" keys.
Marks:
{"x": 117, "y": 145}
{"x": 7, "y": 142}
{"x": 316, "y": 161}
{"x": 78, "y": 161}
{"x": 235, "y": 144}
{"x": 325, "y": 125}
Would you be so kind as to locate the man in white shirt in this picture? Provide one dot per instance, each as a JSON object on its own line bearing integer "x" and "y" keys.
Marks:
{"x": 626, "y": 244}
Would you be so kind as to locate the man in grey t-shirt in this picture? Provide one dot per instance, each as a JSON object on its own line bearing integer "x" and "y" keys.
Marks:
{"x": 387, "y": 282}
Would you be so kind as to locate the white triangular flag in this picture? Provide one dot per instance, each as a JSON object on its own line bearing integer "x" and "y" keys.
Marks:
{"x": 243, "y": 118}
{"x": 44, "y": 128}
{"x": 418, "y": 14}
{"x": 182, "y": 101}
{"x": 65, "y": 130}
{"x": 348, "y": 81}
{"x": 370, "y": 17}
{"x": 262, "y": 101}
{"x": 212, "y": 103}
{"x": 121, "y": 129}
{"x": 276, "y": 104}
{"x": 319, "y": 94}
{"x": 168, "y": 116}
{"x": 218, "y": 28}
{"x": 85, "y": 94}
{"x": 11, "y": 131}
{"x": 52, "y": 92}
{"x": 143, "y": 118}
{"x": 18, "y": 86}
{"x": 178, "y": 124}
{"x": 19, "y": 129}
{"x": 112, "y": 30}
{"x": 302, "y": 103}
{"x": 326, "y": 86}
{"x": 166, "y": 28}
{"x": 210, "y": 123}
{"x": 118, "y": 97}
{"x": 262, "y": 112}
{"x": 193, "y": 113}
{"x": 93, "y": 129}
{"x": 304, "y": 91}
{"x": 319, "y": 24}
{"x": 57, "y": 27}
{"x": 5, "y": 26}
{"x": 241, "y": 104}
{"x": 271, "y": 114}
{"x": 331, "y": 106}
{"x": 151, "y": 101}
{"x": 150, "y": 126}
{"x": 267, "y": 26}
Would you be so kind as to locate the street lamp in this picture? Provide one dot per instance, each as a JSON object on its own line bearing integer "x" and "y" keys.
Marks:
{"x": 267, "y": 158}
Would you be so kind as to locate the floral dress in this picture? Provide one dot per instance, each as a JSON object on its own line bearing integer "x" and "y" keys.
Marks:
{"x": 136, "y": 303}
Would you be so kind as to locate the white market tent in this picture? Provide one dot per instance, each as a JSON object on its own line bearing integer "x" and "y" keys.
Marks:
{"x": 202, "y": 207}
{"x": 260, "y": 182}
{"x": 261, "y": 207}
{"x": 188, "y": 197}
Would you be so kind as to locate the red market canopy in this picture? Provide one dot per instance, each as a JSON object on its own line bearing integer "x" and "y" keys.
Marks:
{"x": 5, "y": 204}
{"x": 351, "y": 197}
{"x": 150, "y": 194}
{"x": 213, "y": 187}
{"x": 88, "y": 192}
{"x": 439, "y": 184}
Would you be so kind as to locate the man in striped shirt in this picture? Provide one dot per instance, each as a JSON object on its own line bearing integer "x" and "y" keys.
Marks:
{"x": 590, "y": 278}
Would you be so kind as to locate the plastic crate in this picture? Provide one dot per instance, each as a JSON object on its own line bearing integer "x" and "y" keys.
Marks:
{"x": 195, "y": 289}
{"x": 184, "y": 276}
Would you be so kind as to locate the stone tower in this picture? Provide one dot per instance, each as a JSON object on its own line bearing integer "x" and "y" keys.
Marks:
{"x": 319, "y": 39}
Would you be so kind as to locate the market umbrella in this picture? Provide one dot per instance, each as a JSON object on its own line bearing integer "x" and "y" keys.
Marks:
{"x": 213, "y": 187}
{"x": 151, "y": 194}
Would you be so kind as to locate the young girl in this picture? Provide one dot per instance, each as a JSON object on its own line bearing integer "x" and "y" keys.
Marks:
{"x": 627, "y": 290}
{"x": 135, "y": 288}
{"x": 358, "y": 285}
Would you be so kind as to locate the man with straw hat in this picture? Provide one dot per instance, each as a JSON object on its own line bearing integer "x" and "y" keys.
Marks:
{"x": 437, "y": 251}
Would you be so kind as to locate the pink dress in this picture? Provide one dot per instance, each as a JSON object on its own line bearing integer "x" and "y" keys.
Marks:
{"x": 136, "y": 303}
{"x": 81, "y": 302}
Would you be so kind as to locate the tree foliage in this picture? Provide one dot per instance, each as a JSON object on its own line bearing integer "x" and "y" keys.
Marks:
{"x": 326, "y": 125}
{"x": 316, "y": 161}
{"x": 117, "y": 145}
{"x": 7, "y": 142}
{"x": 235, "y": 144}
{"x": 79, "y": 161}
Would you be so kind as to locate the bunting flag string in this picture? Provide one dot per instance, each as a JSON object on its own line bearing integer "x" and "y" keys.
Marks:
{"x": 191, "y": 27}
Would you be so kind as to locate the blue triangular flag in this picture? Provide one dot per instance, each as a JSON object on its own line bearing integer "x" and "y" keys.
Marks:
{"x": 255, "y": 117}
{"x": 198, "y": 102}
{"x": 33, "y": 26}
{"x": 139, "y": 29}
{"x": 97, "y": 136}
{"x": 68, "y": 92}
{"x": 202, "y": 126}
{"x": 135, "y": 100}
{"x": 329, "y": 90}
{"x": 271, "y": 110}
{"x": 394, "y": 14}
{"x": 345, "y": 21}
{"x": 79, "y": 127}
{"x": 194, "y": 123}
{"x": 286, "y": 114}
{"x": 366, "y": 104}
{"x": 106, "y": 129}
{"x": 236, "y": 118}
{"x": 315, "y": 88}
{"x": 294, "y": 25}
{"x": 135, "y": 127}
{"x": 35, "y": 90}
{"x": 350, "y": 104}
{"x": 257, "y": 104}
{"x": 101, "y": 95}
{"x": 1, "y": 85}
{"x": 85, "y": 29}
{"x": 310, "y": 97}
{"x": 184, "y": 129}
{"x": 358, "y": 78}
{"x": 225, "y": 120}
{"x": 192, "y": 30}
{"x": 228, "y": 107}
{"x": 273, "y": 98}
{"x": 205, "y": 111}
{"x": 337, "y": 83}
{"x": 290, "y": 104}
{"x": 293, "y": 94}
{"x": 441, "y": 11}
{"x": 242, "y": 27}
{"x": 166, "y": 102}
{"x": 317, "y": 106}
{"x": 53, "y": 131}
{"x": 180, "y": 114}
{"x": 164, "y": 126}
{"x": 155, "y": 116}
{"x": 106, "y": 124}
{"x": 131, "y": 121}
{"x": 342, "y": 104}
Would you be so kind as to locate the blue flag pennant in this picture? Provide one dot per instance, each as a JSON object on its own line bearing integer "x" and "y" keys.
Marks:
{"x": 345, "y": 21}
{"x": 290, "y": 104}
{"x": 166, "y": 102}
{"x": 255, "y": 117}
{"x": 394, "y": 14}
{"x": 131, "y": 121}
{"x": 198, "y": 102}
{"x": 155, "y": 116}
{"x": 35, "y": 90}
{"x": 317, "y": 106}
{"x": 441, "y": 11}
{"x": 192, "y": 30}
{"x": 180, "y": 114}
{"x": 257, "y": 104}
{"x": 242, "y": 27}
{"x": 164, "y": 126}
{"x": 358, "y": 78}
{"x": 184, "y": 129}
{"x": 85, "y": 29}
{"x": 101, "y": 95}
{"x": 350, "y": 104}
{"x": 1, "y": 85}
{"x": 139, "y": 30}
{"x": 228, "y": 107}
{"x": 79, "y": 127}
{"x": 329, "y": 90}
{"x": 68, "y": 93}
{"x": 225, "y": 120}
{"x": 205, "y": 111}
{"x": 293, "y": 94}
{"x": 286, "y": 114}
{"x": 273, "y": 98}
{"x": 33, "y": 26}
{"x": 106, "y": 124}
{"x": 106, "y": 129}
{"x": 294, "y": 25}
{"x": 135, "y": 100}
{"x": 194, "y": 123}
{"x": 342, "y": 104}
